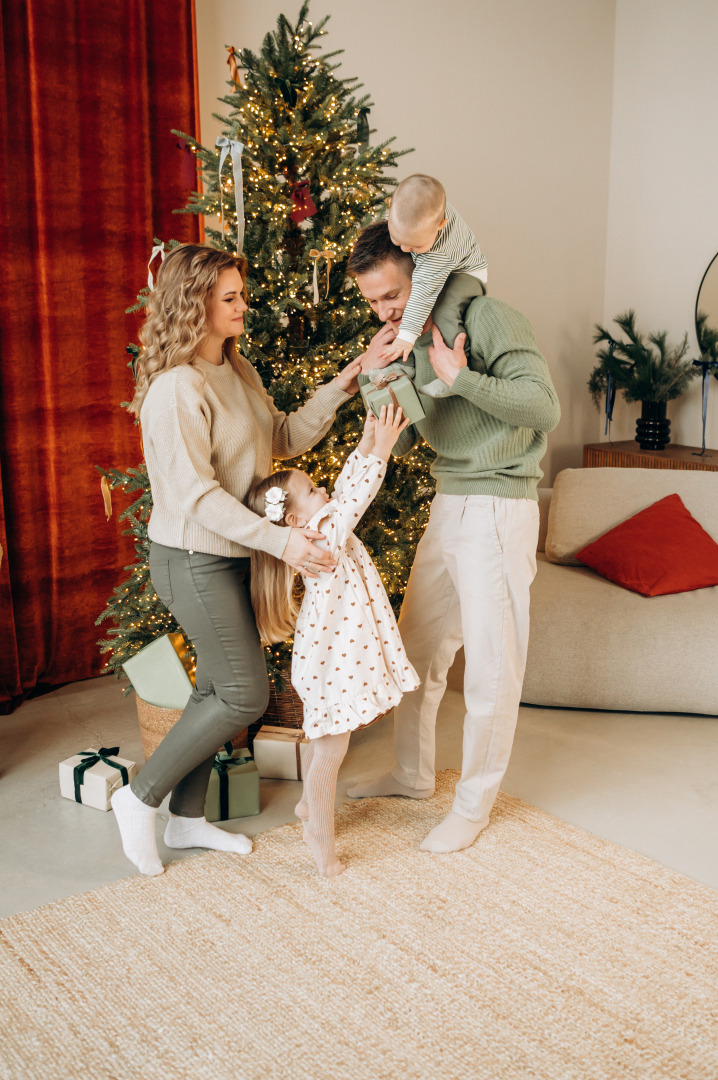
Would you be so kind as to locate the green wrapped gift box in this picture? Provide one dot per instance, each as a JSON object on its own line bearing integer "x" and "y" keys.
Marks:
{"x": 160, "y": 673}
{"x": 233, "y": 790}
{"x": 400, "y": 390}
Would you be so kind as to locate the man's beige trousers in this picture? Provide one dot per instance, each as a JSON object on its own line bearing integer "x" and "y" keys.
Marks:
{"x": 469, "y": 585}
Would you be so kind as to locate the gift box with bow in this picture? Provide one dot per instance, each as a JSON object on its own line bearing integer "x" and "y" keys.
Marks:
{"x": 396, "y": 390}
{"x": 278, "y": 752}
{"x": 92, "y": 776}
{"x": 233, "y": 790}
{"x": 162, "y": 673}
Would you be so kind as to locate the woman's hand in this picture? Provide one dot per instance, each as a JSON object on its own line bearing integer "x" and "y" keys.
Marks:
{"x": 346, "y": 380}
{"x": 305, "y": 556}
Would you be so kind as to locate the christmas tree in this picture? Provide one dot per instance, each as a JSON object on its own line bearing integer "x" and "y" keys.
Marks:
{"x": 297, "y": 138}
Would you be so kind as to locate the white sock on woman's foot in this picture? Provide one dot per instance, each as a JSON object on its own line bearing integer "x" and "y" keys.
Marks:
{"x": 188, "y": 832}
{"x": 136, "y": 821}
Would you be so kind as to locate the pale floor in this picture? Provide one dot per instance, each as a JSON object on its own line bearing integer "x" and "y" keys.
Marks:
{"x": 648, "y": 782}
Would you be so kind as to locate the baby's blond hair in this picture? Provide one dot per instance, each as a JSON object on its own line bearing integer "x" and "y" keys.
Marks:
{"x": 418, "y": 200}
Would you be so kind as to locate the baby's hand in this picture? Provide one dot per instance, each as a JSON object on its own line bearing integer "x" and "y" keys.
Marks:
{"x": 397, "y": 348}
{"x": 387, "y": 428}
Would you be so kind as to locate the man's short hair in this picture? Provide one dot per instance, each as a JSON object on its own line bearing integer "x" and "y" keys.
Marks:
{"x": 373, "y": 247}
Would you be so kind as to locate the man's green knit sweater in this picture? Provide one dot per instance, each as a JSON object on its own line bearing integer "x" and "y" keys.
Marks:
{"x": 491, "y": 435}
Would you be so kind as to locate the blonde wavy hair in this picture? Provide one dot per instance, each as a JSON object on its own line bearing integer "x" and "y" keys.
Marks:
{"x": 176, "y": 314}
{"x": 272, "y": 583}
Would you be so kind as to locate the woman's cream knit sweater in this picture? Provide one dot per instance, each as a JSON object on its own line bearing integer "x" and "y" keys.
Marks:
{"x": 208, "y": 436}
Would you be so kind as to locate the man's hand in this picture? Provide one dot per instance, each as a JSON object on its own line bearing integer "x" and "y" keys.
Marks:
{"x": 372, "y": 357}
{"x": 446, "y": 362}
{"x": 347, "y": 377}
{"x": 398, "y": 348}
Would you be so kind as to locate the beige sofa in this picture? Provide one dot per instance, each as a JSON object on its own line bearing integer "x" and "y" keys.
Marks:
{"x": 595, "y": 645}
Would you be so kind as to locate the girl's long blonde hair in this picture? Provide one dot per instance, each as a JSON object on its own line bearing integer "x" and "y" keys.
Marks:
{"x": 272, "y": 586}
{"x": 176, "y": 314}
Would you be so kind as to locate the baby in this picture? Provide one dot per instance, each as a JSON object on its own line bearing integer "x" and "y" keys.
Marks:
{"x": 423, "y": 223}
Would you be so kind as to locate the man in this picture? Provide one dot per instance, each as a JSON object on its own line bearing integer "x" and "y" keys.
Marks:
{"x": 475, "y": 563}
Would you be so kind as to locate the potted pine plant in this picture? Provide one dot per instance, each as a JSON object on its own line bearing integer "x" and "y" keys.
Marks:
{"x": 645, "y": 369}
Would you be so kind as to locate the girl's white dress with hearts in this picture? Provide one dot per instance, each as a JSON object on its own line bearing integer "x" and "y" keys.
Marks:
{"x": 349, "y": 665}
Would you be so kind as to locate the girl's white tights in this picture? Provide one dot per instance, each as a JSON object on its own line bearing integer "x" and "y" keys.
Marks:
{"x": 322, "y": 760}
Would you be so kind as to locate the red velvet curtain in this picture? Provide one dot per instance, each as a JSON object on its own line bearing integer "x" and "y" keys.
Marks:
{"x": 90, "y": 172}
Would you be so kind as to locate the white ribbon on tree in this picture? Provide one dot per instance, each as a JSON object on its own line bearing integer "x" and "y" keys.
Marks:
{"x": 158, "y": 249}
{"x": 234, "y": 148}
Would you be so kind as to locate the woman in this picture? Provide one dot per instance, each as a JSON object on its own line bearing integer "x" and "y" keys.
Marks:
{"x": 210, "y": 431}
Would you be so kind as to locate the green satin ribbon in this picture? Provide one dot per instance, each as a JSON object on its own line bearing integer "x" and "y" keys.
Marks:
{"x": 91, "y": 758}
{"x": 222, "y": 766}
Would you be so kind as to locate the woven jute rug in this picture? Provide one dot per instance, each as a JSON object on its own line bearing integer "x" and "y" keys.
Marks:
{"x": 540, "y": 952}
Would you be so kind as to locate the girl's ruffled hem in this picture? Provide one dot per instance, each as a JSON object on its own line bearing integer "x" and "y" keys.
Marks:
{"x": 356, "y": 712}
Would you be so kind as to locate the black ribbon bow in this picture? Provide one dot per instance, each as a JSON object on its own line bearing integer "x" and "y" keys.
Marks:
{"x": 91, "y": 758}
{"x": 222, "y": 765}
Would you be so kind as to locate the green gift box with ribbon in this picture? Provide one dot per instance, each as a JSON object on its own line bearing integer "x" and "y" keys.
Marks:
{"x": 233, "y": 790}
{"x": 394, "y": 390}
{"x": 92, "y": 776}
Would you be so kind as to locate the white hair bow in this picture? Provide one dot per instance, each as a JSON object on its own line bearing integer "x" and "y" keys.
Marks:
{"x": 274, "y": 503}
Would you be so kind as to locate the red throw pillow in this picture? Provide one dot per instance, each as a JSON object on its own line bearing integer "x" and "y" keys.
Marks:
{"x": 661, "y": 549}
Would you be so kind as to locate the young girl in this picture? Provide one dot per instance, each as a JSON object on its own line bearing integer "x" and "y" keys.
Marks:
{"x": 348, "y": 664}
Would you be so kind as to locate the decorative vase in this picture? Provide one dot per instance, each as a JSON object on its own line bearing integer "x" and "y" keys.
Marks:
{"x": 653, "y": 430}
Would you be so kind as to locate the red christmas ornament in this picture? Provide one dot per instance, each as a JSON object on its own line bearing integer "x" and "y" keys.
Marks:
{"x": 303, "y": 203}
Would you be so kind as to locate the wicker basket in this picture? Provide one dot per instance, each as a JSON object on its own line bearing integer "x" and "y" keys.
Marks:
{"x": 285, "y": 707}
{"x": 155, "y": 722}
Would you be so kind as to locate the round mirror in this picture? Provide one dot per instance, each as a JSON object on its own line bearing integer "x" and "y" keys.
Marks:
{"x": 707, "y": 305}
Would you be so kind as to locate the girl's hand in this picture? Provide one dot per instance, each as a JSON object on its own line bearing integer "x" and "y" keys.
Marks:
{"x": 366, "y": 445}
{"x": 306, "y": 557}
{"x": 387, "y": 429}
{"x": 346, "y": 380}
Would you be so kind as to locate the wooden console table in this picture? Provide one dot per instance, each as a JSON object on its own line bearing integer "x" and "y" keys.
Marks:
{"x": 628, "y": 455}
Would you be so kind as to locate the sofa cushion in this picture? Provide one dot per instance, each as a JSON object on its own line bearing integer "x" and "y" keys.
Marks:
{"x": 594, "y": 645}
{"x": 587, "y": 502}
{"x": 659, "y": 550}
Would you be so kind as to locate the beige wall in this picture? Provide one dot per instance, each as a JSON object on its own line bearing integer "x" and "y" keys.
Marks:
{"x": 663, "y": 210}
{"x": 509, "y": 104}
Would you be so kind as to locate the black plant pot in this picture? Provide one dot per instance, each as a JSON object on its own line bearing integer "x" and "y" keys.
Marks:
{"x": 653, "y": 430}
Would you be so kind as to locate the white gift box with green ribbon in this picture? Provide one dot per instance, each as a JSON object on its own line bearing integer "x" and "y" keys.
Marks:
{"x": 159, "y": 674}
{"x": 88, "y": 777}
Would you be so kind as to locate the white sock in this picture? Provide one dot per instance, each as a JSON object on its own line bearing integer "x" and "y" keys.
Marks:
{"x": 188, "y": 832}
{"x": 436, "y": 389}
{"x": 454, "y": 833}
{"x": 136, "y": 821}
{"x": 386, "y": 785}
